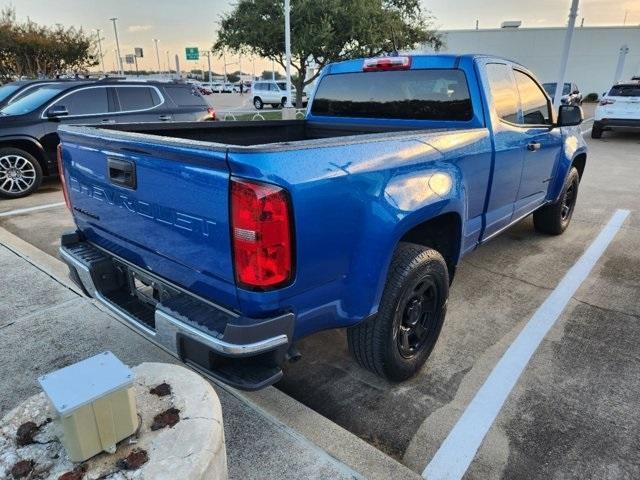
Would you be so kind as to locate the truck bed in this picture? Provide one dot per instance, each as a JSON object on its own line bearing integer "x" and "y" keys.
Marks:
{"x": 251, "y": 133}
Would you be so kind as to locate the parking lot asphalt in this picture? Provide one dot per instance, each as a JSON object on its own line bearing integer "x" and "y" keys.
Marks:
{"x": 572, "y": 414}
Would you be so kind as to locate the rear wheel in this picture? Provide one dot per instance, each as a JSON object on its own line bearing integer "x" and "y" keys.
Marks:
{"x": 257, "y": 102}
{"x": 20, "y": 173}
{"x": 555, "y": 218}
{"x": 596, "y": 130}
{"x": 397, "y": 341}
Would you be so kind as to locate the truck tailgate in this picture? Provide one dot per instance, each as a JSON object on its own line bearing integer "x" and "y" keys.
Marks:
{"x": 159, "y": 205}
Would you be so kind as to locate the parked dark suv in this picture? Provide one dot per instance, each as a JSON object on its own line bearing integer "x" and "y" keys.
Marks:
{"x": 28, "y": 126}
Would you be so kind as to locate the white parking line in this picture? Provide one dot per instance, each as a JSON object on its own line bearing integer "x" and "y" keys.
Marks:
{"x": 20, "y": 211}
{"x": 459, "y": 448}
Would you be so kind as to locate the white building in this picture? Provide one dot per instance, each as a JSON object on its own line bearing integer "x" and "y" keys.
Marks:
{"x": 592, "y": 60}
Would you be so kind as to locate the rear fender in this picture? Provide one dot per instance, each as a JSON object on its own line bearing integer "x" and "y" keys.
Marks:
{"x": 411, "y": 200}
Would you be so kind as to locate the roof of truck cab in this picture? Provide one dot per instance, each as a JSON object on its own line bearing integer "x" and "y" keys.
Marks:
{"x": 437, "y": 60}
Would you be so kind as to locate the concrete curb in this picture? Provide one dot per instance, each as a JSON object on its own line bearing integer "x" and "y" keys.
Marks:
{"x": 193, "y": 448}
{"x": 286, "y": 412}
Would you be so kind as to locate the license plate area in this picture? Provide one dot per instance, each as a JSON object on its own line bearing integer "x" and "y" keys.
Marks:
{"x": 139, "y": 293}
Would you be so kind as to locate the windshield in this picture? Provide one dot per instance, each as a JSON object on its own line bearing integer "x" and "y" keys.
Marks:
{"x": 550, "y": 88}
{"x": 35, "y": 99}
{"x": 7, "y": 90}
{"x": 625, "y": 91}
{"x": 407, "y": 94}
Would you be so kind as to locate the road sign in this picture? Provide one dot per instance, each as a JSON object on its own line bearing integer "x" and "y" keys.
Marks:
{"x": 192, "y": 53}
{"x": 130, "y": 58}
{"x": 138, "y": 52}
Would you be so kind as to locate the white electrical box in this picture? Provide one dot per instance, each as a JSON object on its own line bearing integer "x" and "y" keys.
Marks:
{"x": 95, "y": 403}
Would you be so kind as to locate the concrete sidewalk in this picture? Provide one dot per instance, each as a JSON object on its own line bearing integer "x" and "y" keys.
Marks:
{"x": 45, "y": 325}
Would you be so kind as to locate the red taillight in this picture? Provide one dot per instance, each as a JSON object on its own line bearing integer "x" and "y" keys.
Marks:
{"x": 212, "y": 113}
{"x": 386, "y": 63}
{"x": 607, "y": 101}
{"x": 61, "y": 175}
{"x": 261, "y": 234}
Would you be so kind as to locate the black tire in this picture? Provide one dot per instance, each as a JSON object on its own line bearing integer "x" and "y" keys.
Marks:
{"x": 20, "y": 173}
{"x": 555, "y": 218}
{"x": 596, "y": 130}
{"x": 377, "y": 343}
{"x": 257, "y": 102}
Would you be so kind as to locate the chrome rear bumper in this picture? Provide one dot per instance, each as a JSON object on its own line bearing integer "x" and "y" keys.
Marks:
{"x": 187, "y": 326}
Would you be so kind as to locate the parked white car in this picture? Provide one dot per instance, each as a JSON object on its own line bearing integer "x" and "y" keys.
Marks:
{"x": 619, "y": 107}
{"x": 273, "y": 93}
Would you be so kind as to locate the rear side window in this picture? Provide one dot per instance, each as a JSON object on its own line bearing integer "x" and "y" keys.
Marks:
{"x": 137, "y": 98}
{"x": 535, "y": 108}
{"x": 625, "y": 91}
{"x": 406, "y": 94}
{"x": 503, "y": 91}
{"x": 185, "y": 96}
{"x": 90, "y": 101}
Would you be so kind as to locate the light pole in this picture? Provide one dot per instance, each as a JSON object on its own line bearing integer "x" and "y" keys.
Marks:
{"x": 115, "y": 31}
{"x": 168, "y": 63}
{"x": 624, "y": 49}
{"x": 573, "y": 13}
{"x": 155, "y": 40}
{"x": 287, "y": 48}
{"x": 98, "y": 30}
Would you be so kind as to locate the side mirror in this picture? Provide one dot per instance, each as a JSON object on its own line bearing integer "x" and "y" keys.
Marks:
{"x": 570, "y": 116}
{"x": 57, "y": 111}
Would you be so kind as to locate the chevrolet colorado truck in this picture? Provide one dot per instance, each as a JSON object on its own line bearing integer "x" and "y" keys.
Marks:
{"x": 226, "y": 243}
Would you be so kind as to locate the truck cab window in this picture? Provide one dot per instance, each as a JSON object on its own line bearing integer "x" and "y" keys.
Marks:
{"x": 535, "y": 108}
{"x": 504, "y": 92}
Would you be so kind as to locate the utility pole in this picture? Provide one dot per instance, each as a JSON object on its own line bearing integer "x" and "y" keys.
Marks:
{"x": 209, "y": 65}
{"x": 178, "y": 72}
{"x": 168, "y": 63}
{"x": 287, "y": 48}
{"x": 624, "y": 49}
{"x": 573, "y": 13}
{"x": 273, "y": 70}
{"x": 224, "y": 60}
{"x": 115, "y": 31}
{"x": 98, "y": 30}
{"x": 155, "y": 40}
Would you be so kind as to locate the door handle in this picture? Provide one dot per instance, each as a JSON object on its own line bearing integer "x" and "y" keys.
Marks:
{"x": 533, "y": 146}
{"x": 122, "y": 173}
{"x": 164, "y": 118}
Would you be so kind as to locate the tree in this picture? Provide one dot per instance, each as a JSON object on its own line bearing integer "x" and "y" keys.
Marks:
{"x": 324, "y": 31}
{"x": 28, "y": 49}
{"x": 268, "y": 75}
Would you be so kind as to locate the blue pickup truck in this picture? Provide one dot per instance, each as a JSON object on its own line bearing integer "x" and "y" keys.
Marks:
{"x": 227, "y": 242}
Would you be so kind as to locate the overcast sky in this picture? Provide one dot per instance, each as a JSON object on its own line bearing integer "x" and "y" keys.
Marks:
{"x": 181, "y": 23}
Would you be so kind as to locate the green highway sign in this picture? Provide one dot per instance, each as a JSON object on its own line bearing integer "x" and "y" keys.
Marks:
{"x": 192, "y": 53}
